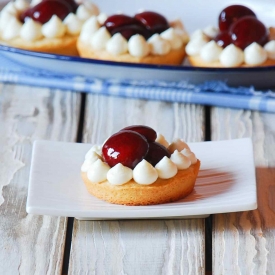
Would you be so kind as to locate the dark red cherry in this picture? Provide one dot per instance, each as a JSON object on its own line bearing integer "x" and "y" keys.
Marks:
{"x": 156, "y": 153}
{"x": 248, "y": 30}
{"x": 149, "y": 133}
{"x": 153, "y": 21}
{"x": 43, "y": 11}
{"x": 73, "y": 4}
{"x": 231, "y": 14}
{"x": 129, "y": 30}
{"x": 125, "y": 147}
{"x": 223, "y": 39}
{"x": 118, "y": 20}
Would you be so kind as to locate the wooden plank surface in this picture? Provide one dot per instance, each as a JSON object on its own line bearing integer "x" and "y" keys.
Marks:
{"x": 30, "y": 244}
{"x": 135, "y": 246}
{"x": 244, "y": 243}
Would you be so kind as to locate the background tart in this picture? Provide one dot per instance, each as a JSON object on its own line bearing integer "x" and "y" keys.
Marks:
{"x": 131, "y": 193}
{"x": 174, "y": 57}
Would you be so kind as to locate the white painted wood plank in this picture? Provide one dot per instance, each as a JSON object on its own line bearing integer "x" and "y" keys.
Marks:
{"x": 244, "y": 243}
{"x": 147, "y": 246}
{"x": 30, "y": 244}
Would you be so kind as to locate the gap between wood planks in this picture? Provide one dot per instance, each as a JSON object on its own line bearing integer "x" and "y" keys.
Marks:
{"x": 70, "y": 224}
{"x": 208, "y": 221}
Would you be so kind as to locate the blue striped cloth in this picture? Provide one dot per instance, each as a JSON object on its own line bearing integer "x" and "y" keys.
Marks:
{"x": 214, "y": 93}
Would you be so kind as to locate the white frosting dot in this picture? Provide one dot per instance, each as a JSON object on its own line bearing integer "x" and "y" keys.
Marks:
{"x": 88, "y": 162}
{"x": 190, "y": 155}
{"x": 101, "y": 18}
{"x": 254, "y": 54}
{"x": 119, "y": 174}
{"x": 35, "y": 2}
{"x": 211, "y": 51}
{"x": 117, "y": 45}
{"x": 21, "y": 5}
{"x": 88, "y": 29}
{"x": 54, "y": 28}
{"x": 73, "y": 24}
{"x": 195, "y": 45}
{"x": 98, "y": 171}
{"x": 10, "y": 8}
{"x": 85, "y": 11}
{"x": 177, "y": 144}
{"x": 161, "y": 139}
{"x": 166, "y": 168}
{"x": 199, "y": 34}
{"x": 270, "y": 49}
{"x": 95, "y": 149}
{"x": 12, "y": 29}
{"x": 137, "y": 46}
{"x": 31, "y": 30}
{"x": 144, "y": 173}
{"x": 232, "y": 56}
{"x": 182, "y": 161}
{"x": 175, "y": 40}
{"x": 211, "y": 31}
{"x": 159, "y": 46}
{"x": 100, "y": 39}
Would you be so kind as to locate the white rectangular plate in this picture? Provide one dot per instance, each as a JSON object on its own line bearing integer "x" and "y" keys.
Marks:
{"x": 226, "y": 183}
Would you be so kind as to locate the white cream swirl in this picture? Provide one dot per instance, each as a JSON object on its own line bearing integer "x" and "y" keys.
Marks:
{"x": 144, "y": 173}
{"x": 100, "y": 38}
{"x": 95, "y": 149}
{"x": 89, "y": 161}
{"x": 177, "y": 144}
{"x": 117, "y": 45}
{"x": 182, "y": 161}
{"x": 159, "y": 46}
{"x": 98, "y": 171}
{"x": 175, "y": 40}
{"x": 254, "y": 54}
{"x": 232, "y": 56}
{"x": 21, "y": 5}
{"x": 88, "y": 29}
{"x": 166, "y": 168}
{"x": 137, "y": 46}
{"x": 161, "y": 139}
{"x": 85, "y": 11}
{"x": 188, "y": 153}
{"x": 210, "y": 31}
{"x": 195, "y": 45}
{"x": 119, "y": 174}
{"x": 12, "y": 29}
{"x": 10, "y": 8}
{"x": 31, "y": 30}
{"x": 73, "y": 24}
{"x": 270, "y": 49}
{"x": 101, "y": 18}
{"x": 211, "y": 52}
{"x": 54, "y": 28}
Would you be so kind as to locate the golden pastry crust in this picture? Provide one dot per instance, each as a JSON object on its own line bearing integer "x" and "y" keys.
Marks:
{"x": 65, "y": 45}
{"x": 174, "y": 57}
{"x": 131, "y": 193}
{"x": 197, "y": 61}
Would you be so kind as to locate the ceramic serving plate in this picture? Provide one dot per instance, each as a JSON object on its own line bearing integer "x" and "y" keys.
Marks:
{"x": 226, "y": 183}
{"x": 195, "y": 14}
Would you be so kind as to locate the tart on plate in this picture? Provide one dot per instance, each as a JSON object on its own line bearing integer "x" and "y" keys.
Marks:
{"x": 50, "y": 26}
{"x": 241, "y": 40}
{"x": 147, "y": 37}
{"x": 137, "y": 166}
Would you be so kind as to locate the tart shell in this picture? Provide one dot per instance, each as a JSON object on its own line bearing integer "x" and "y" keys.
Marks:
{"x": 174, "y": 57}
{"x": 161, "y": 191}
{"x": 197, "y": 61}
{"x": 65, "y": 45}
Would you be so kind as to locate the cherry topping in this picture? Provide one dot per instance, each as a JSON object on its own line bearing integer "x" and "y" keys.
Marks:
{"x": 231, "y": 14}
{"x": 125, "y": 147}
{"x": 156, "y": 153}
{"x": 43, "y": 11}
{"x": 72, "y": 3}
{"x": 247, "y": 30}
{"x": 129, "y": 30}
{"x": 149, "y": 133}
{"x": 153, "y": 21}
{"x": 223, "y": 39}
{"x": 118, "y": 20}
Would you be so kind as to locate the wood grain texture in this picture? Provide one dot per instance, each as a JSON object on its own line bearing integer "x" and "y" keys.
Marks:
{"x": 30, "y": 244}
{"x": 139, "y": 246}
{"x": 244, "y": 242}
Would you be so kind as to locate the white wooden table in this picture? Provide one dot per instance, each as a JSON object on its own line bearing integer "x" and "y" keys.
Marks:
{"x": 236, "y": 243}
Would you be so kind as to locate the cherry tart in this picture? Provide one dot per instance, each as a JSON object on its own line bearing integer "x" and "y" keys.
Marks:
{"x": 146, "y": 37}
{"x": 137, "y": 166}
{"x": 50, "y": 26}
{"x": 240, "y": 40}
